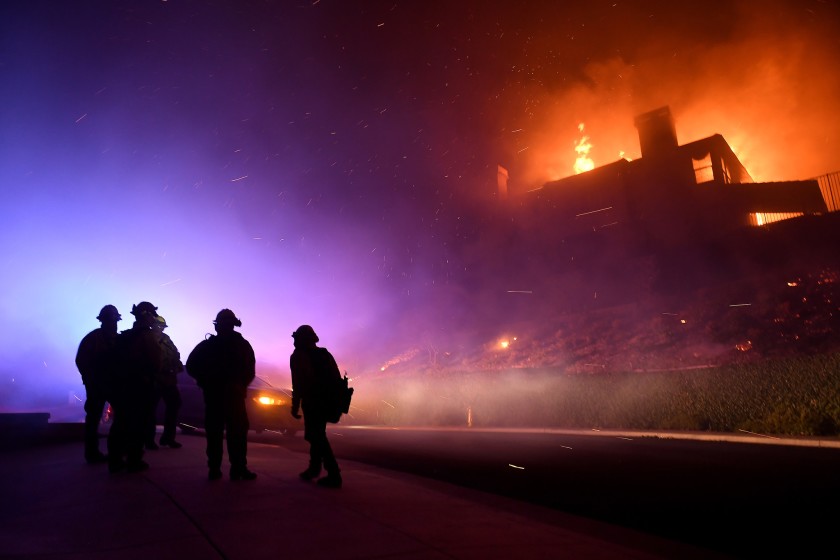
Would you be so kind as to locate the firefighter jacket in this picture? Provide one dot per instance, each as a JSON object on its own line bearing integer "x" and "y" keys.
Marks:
{"x": 223, "y": 363}
{"x": 315, "y": 375}
{"x": 171, "y": 360}
{"x": 96, "y": 357}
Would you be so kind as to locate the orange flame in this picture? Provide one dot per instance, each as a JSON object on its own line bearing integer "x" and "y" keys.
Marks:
{"x": 582, "y": 147}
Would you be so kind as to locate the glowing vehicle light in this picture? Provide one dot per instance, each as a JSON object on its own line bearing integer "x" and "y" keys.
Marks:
{"x": 505, "y": 344}
{"x": 268, "y": 401}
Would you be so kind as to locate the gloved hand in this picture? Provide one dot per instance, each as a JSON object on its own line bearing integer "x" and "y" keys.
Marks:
{"x": 296, "y": 412}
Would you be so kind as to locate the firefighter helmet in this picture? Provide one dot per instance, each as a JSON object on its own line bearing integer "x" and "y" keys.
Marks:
{"x": 226, "y": 316}
{"x": 109, "y": 312}
{"x": 142, "y": 308}
{"x": 305, "y": 333}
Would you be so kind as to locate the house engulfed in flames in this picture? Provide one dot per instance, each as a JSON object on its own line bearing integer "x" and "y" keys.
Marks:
{"x": 671, "y": 195}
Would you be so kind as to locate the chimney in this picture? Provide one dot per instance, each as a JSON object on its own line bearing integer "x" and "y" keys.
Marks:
{"x": 657, "y": 134}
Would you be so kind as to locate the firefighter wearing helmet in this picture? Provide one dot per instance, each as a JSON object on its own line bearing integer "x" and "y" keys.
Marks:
{"x": 165, "y": 388}
{"x": 224, "y": 365}
{"x": 314, "y": 375}
{"x": 139, "y": 359}
{"x": 95, "y": 360}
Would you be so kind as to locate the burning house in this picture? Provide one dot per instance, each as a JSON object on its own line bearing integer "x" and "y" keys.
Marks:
{"x": 672, "y": 195}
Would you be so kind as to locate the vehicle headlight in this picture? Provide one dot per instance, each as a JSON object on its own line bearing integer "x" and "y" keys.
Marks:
{"x": 266, "y": 400}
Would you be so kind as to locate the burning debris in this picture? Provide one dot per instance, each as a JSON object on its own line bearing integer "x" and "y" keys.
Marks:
{"x": 404, "y": 357}
{"x": 744, "y": 346}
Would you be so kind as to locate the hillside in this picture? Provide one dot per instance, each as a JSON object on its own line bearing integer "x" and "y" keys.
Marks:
{"x": 755, "y": 294}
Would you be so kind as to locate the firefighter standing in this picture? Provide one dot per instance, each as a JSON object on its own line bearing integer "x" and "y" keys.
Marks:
{"x": 314, "y": 377}
{"x": 223, "y": 366}
{"x": 166, "y": 389}
{"x": 139, "y": 359}
{"x": 95, "y": 360}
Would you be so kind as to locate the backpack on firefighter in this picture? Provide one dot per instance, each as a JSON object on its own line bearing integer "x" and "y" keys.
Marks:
{"x": 335, "y": 391}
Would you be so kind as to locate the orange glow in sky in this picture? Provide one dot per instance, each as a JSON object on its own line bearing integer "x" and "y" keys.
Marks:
{"x": 767, "y": 90}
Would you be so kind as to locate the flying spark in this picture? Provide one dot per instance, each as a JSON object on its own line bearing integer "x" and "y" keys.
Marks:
{"x": 594, "y": 211}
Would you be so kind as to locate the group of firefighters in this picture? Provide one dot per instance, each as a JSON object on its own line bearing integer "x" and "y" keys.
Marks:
{"x": 134, "y": 370}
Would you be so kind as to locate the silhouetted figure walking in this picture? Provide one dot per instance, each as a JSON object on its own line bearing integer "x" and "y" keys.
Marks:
{"x": 315, "y": 376}
{"x": 223, "y": 366}
{"x": 139, "y": 359}
{"x": 95, "y": 360}
{"x": 165, "y": 388}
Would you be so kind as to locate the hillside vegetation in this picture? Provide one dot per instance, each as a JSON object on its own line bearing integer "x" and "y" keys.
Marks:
{"x": 757, "y": 349}
{"x": 792, "y": 396}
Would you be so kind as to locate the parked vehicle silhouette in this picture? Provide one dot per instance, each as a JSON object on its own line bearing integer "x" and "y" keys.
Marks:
{"x": 269, "y": 407}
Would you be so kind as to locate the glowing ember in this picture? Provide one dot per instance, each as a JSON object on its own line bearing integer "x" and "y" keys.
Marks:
{"x": 404, "y": 357}
{"x": 583, "y": 162}
{"x": 504, "y": 344}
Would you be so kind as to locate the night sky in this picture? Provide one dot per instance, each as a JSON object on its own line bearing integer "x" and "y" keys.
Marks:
{"x": 335, "y": 162}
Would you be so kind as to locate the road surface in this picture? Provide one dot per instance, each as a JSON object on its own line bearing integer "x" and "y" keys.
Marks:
{"x": 743, "y": 499}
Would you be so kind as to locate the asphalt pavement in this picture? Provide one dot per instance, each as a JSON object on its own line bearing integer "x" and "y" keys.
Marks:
{"x": 53, "y": 505}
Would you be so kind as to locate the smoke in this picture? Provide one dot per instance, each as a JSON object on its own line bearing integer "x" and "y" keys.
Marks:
{"x": 763, "y": 79}
{"x": 127, "y": 177}
{"x": 334, "y": 163}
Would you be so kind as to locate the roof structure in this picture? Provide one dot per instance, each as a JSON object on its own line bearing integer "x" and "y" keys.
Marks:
{"x": 672, "y": 194}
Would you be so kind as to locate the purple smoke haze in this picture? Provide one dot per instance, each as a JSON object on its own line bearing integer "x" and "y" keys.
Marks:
{"x": 334, "y": 163}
